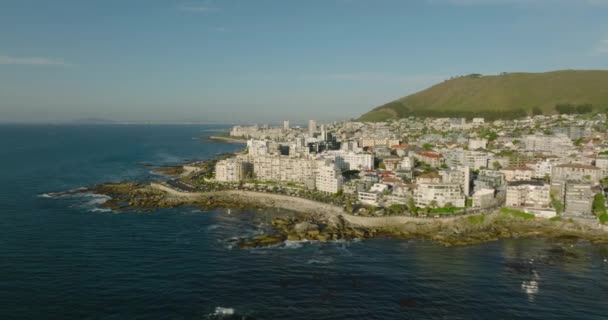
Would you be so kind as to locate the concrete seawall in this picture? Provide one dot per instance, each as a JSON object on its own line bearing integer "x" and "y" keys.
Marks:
{"x": 299, "y": 205}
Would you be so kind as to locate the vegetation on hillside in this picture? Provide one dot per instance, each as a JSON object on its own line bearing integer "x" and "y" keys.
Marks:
{"x": 504, "y": 96}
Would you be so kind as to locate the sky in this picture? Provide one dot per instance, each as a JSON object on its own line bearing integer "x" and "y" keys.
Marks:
{"x": 262, "y": 61}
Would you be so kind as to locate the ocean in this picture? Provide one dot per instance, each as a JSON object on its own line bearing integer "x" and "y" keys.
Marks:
{"x": 63, "y": 257}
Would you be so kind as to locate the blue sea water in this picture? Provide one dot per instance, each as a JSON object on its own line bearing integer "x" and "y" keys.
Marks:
{"x": 64, "y": 258}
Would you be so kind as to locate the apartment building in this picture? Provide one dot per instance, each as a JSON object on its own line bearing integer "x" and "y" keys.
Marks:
{"x": 532, "y": 193}
{"x": 285, "y": 169}
{"x": 576, "y": 171}
{"x": 232, "y": 170}
{"x": 432, "y": 159}
{"x": 439, "y": 194}
{"x": 578, "y": 198}
{"x": 346, "y": 160}
{"x": 460, "y": 175}
{"x": 329, "y": 177}
{"x": 517, "y": 173}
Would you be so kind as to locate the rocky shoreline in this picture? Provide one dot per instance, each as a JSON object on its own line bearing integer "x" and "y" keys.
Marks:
{"x": 328, "y": 224}
{"x": 227, "y": 139}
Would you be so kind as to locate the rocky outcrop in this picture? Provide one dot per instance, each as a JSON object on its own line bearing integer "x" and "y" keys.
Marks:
{"x": 171, "y": 171}
{"x": 325, "y": 223}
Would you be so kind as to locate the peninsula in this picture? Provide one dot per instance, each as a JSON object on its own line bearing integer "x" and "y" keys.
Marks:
{"x": 454, "y": 180}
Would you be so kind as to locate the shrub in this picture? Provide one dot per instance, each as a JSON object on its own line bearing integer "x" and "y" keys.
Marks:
{"x": 517, "y": 213}
{"x": 476, "y": 219}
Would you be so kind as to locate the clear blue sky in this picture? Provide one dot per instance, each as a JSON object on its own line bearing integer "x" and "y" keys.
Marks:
{"x": 267, "y": 60}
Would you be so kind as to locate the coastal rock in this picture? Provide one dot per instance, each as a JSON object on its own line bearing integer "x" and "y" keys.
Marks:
{"x": 262, "y": 241}
{"x": 305, "y": 227}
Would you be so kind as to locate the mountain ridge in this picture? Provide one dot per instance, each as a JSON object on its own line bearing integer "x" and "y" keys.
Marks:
{"x": 507, "y": 95}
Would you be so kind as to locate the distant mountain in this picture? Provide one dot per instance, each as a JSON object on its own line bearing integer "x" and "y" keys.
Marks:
{"x": 506, "y": 96}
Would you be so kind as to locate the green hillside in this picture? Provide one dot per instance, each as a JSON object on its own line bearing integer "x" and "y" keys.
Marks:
{"x": 505, "y": 96}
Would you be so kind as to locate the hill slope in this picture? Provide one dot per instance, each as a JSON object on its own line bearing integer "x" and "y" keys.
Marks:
{"x": 502, "y": 96}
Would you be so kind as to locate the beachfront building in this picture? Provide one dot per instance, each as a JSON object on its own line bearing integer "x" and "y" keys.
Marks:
{"x": 489, "y": 179}
{"x": 578, "y": 198}
{"x": 329, "y": 178}
{"x": 459, "y": 175}
{"x": 369, "y": 198}
{"x": 532, "y": 193}
{"x": 232, "y": 170}
{"x": 285, "y": 169}
{"x": 439, "y": 194}
{"x": 484, "y": 198}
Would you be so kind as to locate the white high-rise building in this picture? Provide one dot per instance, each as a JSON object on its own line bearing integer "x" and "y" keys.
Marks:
{"x": 312, "y": 127}
{"x": 258, "y": 147}
{"x": 231, "y": 170}
{"x": 323, "y": 133}
{"x": 459, "y": 175}
{"x": 558, "y": 144}
{"x": 329, "y": 178}
{"x": 533, "y": 193}
{"x": 349, "y": 160}
{"x": 439, "y": 194}
{"x": 285, "y": 124}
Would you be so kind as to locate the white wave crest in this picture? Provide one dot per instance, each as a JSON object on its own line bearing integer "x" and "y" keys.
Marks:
{"x": 323, "y": 260}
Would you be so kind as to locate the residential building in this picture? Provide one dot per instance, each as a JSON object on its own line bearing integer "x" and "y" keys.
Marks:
{"x": 285, "y": 169}
{"x": 489, "y": 179}
{"x": 350, "y": 160}
{"x": 258, "y": 147}
{"x": 475, "y": 144}
{"x": 369, "y": 198}
{"x": 517, "y": 173}
{"x": 575, "y": 171}
{"x": 328, "y": 178}
{"x": 578, "y": 198}
{"x": 407, "y": 163}
{"x": 602, "y": 163}
{"x": 459, "y": 175}
{"x": 532, "y": 193}
{"x": 484, "y": 198}
{"x": 232, "y": 170}
{"x": 558, "y": 144}
{"x": 440, "y": 194}
{"x": 312, "y": 127}
{"x": 432, "y": 159}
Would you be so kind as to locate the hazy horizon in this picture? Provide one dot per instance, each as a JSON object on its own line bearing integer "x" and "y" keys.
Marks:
{"x": 265, "y": 61}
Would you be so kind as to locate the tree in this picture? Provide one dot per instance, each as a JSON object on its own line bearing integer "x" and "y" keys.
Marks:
{"x": 433, "y": 204}
{"x": 556, "y": 203}
{"x": 427, "y": 146}
{"x": 536, "y": 111}
{"x": 411, "y": 206}
{"x": 496, "y": 165}
{"x": 599, "y": 204}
